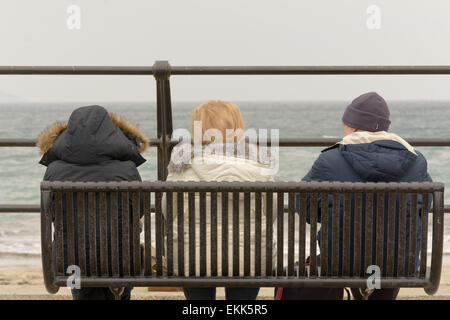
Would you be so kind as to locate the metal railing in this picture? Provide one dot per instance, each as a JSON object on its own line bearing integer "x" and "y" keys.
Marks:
{"x": 162, "y": 71}
{"x": 162, "y": 66}
{"x": 286, "y": 142}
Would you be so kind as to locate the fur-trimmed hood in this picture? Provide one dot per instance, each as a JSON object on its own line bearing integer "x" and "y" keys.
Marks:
{"x": 92, "y": 135}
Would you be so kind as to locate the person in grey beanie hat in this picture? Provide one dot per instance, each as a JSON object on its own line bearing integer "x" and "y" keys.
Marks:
{"x": 368, "y": 112}
{"x": 367, "y": 152}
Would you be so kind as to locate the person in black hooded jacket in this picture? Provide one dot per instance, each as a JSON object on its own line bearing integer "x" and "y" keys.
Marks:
{"x": 368, "y": 153}
{"x": 93, "y": 146}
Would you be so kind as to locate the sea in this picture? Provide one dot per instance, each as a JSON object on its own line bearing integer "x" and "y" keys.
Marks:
{"x": 21, "y": 173}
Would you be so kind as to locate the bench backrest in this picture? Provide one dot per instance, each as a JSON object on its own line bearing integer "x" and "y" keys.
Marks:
{"x": 96, "y": 226}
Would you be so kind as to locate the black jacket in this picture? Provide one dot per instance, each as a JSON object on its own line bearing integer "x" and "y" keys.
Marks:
{"x": 93, "y": 146}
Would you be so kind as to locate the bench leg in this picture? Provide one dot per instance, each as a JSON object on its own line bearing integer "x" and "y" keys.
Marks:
{"x": 365, "y": 293}
{"x": 361, "y": 293}
{"x": 117, "y": 292}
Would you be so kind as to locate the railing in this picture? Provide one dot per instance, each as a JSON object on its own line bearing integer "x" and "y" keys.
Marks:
{"x": 162, "y": 71}
{"x": 287, "y": 142}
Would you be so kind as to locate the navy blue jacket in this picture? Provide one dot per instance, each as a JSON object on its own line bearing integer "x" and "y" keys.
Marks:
{"x": 379, "y": 161}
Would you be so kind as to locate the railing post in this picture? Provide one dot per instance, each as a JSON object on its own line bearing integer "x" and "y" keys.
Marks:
{"x": 161, "y": 72}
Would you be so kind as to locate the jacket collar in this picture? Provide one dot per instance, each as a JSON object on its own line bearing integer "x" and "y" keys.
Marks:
{"x": 185, "y": 154}
{"x": 360, "y": 137}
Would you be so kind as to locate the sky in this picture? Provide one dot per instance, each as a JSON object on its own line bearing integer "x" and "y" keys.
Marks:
{"x": 217, "y": 32}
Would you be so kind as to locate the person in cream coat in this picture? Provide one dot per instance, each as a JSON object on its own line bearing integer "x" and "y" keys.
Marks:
{"x": 190, "y": 163}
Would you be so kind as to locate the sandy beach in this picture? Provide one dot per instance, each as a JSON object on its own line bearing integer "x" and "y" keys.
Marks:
{"x": 27, "y": 284}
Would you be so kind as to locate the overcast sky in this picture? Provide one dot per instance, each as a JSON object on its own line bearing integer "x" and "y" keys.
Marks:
{"x": 218, "y": 32}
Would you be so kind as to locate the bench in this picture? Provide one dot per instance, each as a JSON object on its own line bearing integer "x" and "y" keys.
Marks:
{"x": 90, "y": 240}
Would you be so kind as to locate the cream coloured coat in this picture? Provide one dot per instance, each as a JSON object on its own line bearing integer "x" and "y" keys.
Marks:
{"x": 213, "y": 168}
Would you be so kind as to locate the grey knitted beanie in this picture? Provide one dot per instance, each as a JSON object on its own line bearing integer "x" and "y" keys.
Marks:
{"x": 368, "y": 112}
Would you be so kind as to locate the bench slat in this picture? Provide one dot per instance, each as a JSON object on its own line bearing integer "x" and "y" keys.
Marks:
{"x": 92, "y": 223}
{"x": 125, "y": 233}
{"x": 391, "y": 235}
{"x": 247, "y": 234}
{"x": 269, "y": 231}
{"x": 324, "y": 235}
{"x": 59, "y": 235}
{"x": 202, "y": 234}
{"x": 169, "y": 232}
{"x": 136, "y": 232}
{"x": 357, "y": 254}
{"x": 115, "y": 262}
{"x": 103, "y": 234}
{"x": 70, "y": 230}
{"x": 291, "y": 234}
{"x": 191, "y": 209}
{"x": 302, "y": 235}
{"x": 147, "y": 235}
{"x": 258, "y": 234}
{"x": 224, "y": 234}
{"x": 313, "y": 236}
{"x": 368, "y": 231}
{"x": 280, "y": 233}
{"x": 402, "y": 235}
{"x": 346, "y": 235}
{"x": 236, "y": 234}
{"x": 180, "y": 230}
{"x": 335, "y": 235}
{"x": 214, "y": 244}
{"x": 81, "y": 232}
{"x": 380, "y": 231}
{"x": 424, "y": 235}
{"x": 159, "y": 233}
{"x": 413, "y": 236}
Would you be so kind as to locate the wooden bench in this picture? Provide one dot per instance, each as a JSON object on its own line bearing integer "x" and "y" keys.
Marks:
{"x": 80, "y": 226}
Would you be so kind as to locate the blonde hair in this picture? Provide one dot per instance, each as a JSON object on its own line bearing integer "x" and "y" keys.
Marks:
{"x": 219, "y": 115}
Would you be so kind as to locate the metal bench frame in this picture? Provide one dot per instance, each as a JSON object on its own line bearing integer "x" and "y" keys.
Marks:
{"x": 54, "y": 259}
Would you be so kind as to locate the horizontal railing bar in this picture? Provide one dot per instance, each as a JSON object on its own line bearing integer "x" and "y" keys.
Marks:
{"x": 35, "y": 208}
{"x": 18, "y": 142}
{"x": 23, "y": 208}
{"x": 12, "y": 142}
{"x": 308, "y": 70}
{"x": 242, "y": 282}
{"x": 225, "y": 70}
{"x": 284, "y": 142}
{"x": 75, "y": 70}
{"x": 325, "y": 142}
